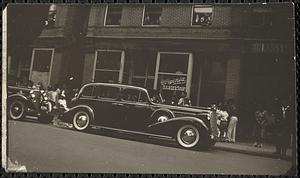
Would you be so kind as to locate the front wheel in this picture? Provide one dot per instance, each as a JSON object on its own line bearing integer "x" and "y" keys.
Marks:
{"x": 81, "y": 120}
{"x": 17, "y": 110}
{"x": 188, "y": 136}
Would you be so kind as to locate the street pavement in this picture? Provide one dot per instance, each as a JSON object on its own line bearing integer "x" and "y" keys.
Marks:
{"x": 46, "y": 148}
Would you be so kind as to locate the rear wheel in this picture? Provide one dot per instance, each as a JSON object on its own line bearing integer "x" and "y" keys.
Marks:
{"x": 188, "y": 136}
{"x": 17, "y": 110}
{"x": 81, "y": 120}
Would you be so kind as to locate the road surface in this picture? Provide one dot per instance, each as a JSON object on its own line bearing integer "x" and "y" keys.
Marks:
{"x": 46, "y": 148}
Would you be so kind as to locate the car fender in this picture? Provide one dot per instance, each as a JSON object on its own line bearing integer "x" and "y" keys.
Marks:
{"x": 17, "y": 97}
{"x": 163, "y": 110}
{"x": 179, "y": 120}
{"x": 73, "y": 109}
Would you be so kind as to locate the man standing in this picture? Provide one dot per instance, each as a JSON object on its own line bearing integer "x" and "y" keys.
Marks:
{"x": 233, "y": 119}
{"x": 283, "y": 119}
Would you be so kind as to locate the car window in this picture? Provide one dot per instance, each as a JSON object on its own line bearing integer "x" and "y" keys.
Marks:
{"x": 134, "y": 95}
{"x": 130, "y": 95}
{"x": 107, "y": 92}
{"x": 88, "y": 91}
{"x": 143, "y": 97}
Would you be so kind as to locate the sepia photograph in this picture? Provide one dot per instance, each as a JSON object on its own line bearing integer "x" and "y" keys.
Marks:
{"x": 149, "y": 88}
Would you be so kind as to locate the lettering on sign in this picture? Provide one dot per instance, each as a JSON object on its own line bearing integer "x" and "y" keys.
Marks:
{"x": 177, "y": 84}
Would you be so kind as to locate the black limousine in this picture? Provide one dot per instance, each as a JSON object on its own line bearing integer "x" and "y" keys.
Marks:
{"x": 137, "y": 110}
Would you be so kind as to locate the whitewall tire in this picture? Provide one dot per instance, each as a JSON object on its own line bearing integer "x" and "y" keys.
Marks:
{"x": 81, "y": 120}
{"x": 188, "y": 136}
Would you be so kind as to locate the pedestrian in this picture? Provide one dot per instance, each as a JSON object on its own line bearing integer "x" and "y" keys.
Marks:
{"x": 184, "y": 100}
{"x": 259, "y": 125}
{"x": 233, "y": 119}
{"x": 283, "y": 116}
{"x": 222, "y": 115}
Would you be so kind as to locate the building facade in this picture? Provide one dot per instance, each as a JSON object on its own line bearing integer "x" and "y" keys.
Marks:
{"x": 213, "y": 52}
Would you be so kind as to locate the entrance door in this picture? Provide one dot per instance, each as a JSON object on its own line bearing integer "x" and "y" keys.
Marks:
{"x": 173, "y": 74}
{"x": 41, "y": 65}
{"x": 109, "y": 66}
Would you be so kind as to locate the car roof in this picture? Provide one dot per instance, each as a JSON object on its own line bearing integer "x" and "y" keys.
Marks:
{"x": 115, "y": 85}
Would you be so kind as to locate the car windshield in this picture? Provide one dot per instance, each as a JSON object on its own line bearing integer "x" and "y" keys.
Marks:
{"x": 155, "y": 96}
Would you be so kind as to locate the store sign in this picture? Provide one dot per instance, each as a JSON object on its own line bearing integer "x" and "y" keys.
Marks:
{"x": 269, "y": 47}
{"x": 175, "y": 84}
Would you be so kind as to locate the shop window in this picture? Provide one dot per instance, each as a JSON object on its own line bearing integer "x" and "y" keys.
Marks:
{"x": 108, "y": 66}
{"x": 152, "y": 15}
{"x": 113, "y": 15}
{"x": 144, "y": 69}
{"x": 172, "y": 79}
{"x": 51, "y": 16}
{"x": 202, "y": 15}
{"x": 42, "y": 60}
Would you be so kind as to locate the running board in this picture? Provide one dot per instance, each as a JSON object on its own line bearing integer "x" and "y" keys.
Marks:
{"x": 134, "y": 132}
{"x": 32, "y": 117}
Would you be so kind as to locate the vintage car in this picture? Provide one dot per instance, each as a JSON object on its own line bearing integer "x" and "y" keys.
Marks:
{"x": 24, "y": 102}
{"x": 132, "y": 109}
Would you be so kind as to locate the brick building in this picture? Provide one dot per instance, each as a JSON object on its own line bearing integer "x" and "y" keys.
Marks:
{"x": 214, "y": 52}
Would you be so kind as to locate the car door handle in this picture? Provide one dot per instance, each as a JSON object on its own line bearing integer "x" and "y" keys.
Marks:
{"x": 118, "y": 104}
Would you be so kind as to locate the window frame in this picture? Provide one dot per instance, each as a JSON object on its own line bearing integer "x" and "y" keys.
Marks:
{"x": 51, "y": 62}
{"x": 122, "y": 64}
{"x": 192, "y": 15}
{"x": 105, "y": 16}
{"x": 143, "y": 17}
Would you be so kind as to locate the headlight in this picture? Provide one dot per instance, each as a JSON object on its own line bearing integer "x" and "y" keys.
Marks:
{"x": 32, "y": 95}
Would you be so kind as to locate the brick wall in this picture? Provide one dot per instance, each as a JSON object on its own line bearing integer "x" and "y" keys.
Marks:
{"x": 232, "y": 86}
{"x": 132, "y": 15}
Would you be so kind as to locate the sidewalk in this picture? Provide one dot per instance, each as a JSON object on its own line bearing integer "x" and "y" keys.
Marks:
{"x": 241, "y": 147}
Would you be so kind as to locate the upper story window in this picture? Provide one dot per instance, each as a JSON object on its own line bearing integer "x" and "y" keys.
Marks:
{"x": 262, "y": 17}
{"x": 202, "y": 15}
{"x": 152, "y": 15}
{"x": 113, "y": 15}
{"x": 51, "y": 16}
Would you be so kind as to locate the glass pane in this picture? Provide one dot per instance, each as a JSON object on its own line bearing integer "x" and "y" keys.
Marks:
{"x": 171, "y": 87}
{"x": 108, "y": 60}
{"x": 42, "y": 60}
{"x": 152, "y": 15}
{"x": 174, "y": 63}
{"x": 130, "y": 95}
{"x": 202, "y": 15}
{"x": 88, "y": 91}
{"x": 107, "y": 77}
{"x": 107, "y": 92}
{"x": 114, "y": 14}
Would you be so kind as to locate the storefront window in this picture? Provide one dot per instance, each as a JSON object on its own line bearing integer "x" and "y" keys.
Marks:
{"x": 108, "y": 66}
{"x": 113, "y": 15}
{"x": 152, "y": 15}
{"x": 202, "y": 15}
{"x": 42, "y": 60}
{"x": 172, "y": 79}
{"x": 144, "y": 69}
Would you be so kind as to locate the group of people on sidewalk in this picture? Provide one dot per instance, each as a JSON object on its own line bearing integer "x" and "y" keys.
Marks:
{"x": 227, "y": 114}
{"x": 280, "y": 126}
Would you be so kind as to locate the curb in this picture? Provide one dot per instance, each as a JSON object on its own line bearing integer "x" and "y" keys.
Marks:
{"x": 262, "y": 154}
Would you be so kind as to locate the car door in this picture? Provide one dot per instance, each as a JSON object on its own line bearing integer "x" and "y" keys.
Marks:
{"x": 136, "y": 110}
{"x": 107, "y": 110}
